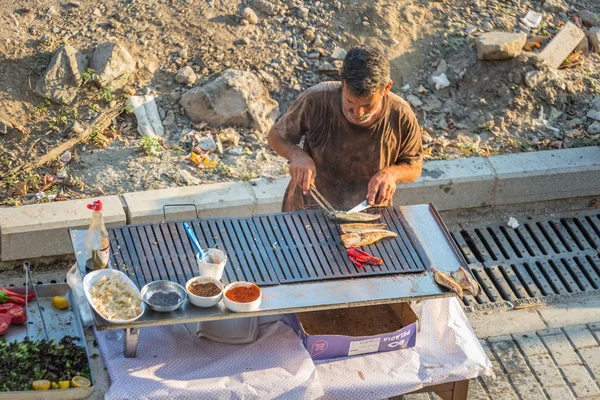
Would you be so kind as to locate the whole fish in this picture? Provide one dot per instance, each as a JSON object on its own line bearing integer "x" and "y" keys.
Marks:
{"x": 354, "y": 217}
{"x": 444, "y": 280}
{"x": 464, "y": 279}
{"x": 358, "y": 228}
{"x": 366, "y": 238}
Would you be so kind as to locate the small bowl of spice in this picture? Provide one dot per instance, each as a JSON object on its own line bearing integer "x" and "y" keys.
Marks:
{"x": 242, "y": 296}
{"x": 163, "y": 296}
{"x": 204, "y": 291}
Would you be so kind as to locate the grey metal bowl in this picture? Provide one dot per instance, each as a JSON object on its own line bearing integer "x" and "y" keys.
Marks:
{"x": 163, "y": 286}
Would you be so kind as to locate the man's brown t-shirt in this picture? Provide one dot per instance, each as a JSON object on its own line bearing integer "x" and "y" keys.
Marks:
{"x": 346, "y": 155}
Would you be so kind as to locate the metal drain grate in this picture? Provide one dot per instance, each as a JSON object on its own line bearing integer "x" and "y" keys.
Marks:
{"x": 544, "y": 256}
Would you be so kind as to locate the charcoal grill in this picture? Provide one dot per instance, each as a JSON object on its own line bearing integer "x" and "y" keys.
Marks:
{"x": 297, "y": 259}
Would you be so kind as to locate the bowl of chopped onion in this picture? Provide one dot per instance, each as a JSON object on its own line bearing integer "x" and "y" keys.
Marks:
{"x": 113, "y": 296}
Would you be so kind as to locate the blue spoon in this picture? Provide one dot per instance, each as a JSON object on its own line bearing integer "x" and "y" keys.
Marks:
{"x": 203, "y": 256}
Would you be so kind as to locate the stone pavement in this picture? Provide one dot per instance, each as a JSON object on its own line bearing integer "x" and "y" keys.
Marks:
{"x": 554, "y": 364}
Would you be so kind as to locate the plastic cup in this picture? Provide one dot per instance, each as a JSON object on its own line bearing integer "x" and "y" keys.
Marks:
{"x": 214, "y": 265}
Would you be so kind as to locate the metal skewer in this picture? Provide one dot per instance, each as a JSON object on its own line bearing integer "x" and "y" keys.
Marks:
{"x": 28, "y": 271}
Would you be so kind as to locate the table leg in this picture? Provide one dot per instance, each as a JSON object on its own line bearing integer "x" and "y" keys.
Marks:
{"x": 131, "y": 341}
{"x": 461, "y": 390}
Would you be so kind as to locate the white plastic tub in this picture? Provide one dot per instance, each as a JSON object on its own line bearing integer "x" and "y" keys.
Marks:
{"x": 215, "y": 266}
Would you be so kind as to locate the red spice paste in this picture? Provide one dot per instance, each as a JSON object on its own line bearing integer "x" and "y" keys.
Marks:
{"x": 243, "y": 294}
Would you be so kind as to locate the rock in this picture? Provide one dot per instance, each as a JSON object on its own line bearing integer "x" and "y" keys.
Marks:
{"x": 169, "y": 119}
{"x": 186, "y": 76}
{"x": 583, "y": 46}
{"x": 589, "y": 18}
{"x": 303, "y": 12}
{"x": 175, "y": 95}
{"x": 596, "y": 103}
{"x": 234, "y": 98}
{"x": 113, "y": 64}
{"x": 62, "y": 78}
{"x": 500, "y": 45}
{"x": 338, "y": 53}
{"x": 250, "y": 16}
{"x": 208, "y": 143}
{"x": 574, "y": 123}
{"x": 188, "y": 178}
{"x": 594, "y": 128}
{"x": 594, "y": 39}
{"x": 327, "y": 67}
{"x": 593, "y": 114}
{"x": 533, "y": 78}
{"x": 228, "y": 138}
{"x": 266, "y": 7}
{"x": 562, "y": 44}
{"x": 5, "y": 127}
{"x": 236, "y": 151}
{"x": 556, "y": 6}
{"x": 414, "y": 100}
{"x": 309, "y": 35}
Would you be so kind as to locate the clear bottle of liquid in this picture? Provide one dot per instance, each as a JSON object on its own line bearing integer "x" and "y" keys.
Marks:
{"x": 97, "y": 245}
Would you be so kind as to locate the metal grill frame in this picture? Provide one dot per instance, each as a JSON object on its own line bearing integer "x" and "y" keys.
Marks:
{"x": 545, "y": 258}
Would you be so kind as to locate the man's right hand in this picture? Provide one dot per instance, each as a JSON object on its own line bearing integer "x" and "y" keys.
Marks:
{"x": 303, "y": 171}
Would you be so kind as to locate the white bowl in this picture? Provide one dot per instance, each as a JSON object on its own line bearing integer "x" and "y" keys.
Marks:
{"x": 241, "y": 307}
{"x": 92, "y": 277}
{"x": 204, "y": 301}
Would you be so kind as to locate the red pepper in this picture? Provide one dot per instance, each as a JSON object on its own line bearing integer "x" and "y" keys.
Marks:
{"x": 30, "y": 296}
{"x": 4, "y": 298}
{"x": 4, "y": 323}
{"x": 361, "y": 257}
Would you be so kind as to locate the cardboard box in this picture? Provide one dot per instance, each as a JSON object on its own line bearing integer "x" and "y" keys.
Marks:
{"x": 357, "y": 330}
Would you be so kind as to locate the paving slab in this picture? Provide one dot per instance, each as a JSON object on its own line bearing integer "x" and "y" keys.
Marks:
{"x": 559, "y": 393}
{"x": 476, "y": 391}
{"x": 505, "y": 323}
{"x": 42, "y": 230}
{"x": 527, "y": 386}
{"x": 573, "y": 313}
{"x": 530, "y": 344}
{"x": 546, "y": 175}
{"x": 498, "y": 387}
{"x": 544, "y": 368}
{"x": 510, "y": 357}
{"x": 581, "y": 336}
{"x": 561, "y": 350}
{"x": 580, "y": 380}
{"x": 228, "y": 199}
{"x": 591, "y": 357}
{"x": 461, "y": 183}
{"x": 561, "y": 45}
{"x": 269, "y": 194}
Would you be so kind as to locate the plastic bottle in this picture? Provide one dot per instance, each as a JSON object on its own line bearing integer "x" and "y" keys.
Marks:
{"x": 97, "y": 244}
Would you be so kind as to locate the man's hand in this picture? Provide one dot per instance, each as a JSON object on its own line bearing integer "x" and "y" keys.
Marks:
{"x": 382, "y": 187}
{"x": 303, "y": 171}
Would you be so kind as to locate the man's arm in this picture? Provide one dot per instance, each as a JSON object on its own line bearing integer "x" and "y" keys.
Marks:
{"x": 302, "y": 166}
{"x": 383, "y": 184}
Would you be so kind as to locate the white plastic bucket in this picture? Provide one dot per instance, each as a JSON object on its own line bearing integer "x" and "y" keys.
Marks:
{"x": 214, "y": 266}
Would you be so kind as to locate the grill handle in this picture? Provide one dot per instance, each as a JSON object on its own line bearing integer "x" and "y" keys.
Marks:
{"x": 179, "y": 205}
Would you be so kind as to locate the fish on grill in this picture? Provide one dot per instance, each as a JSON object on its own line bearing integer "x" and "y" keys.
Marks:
{"x": 444, "y": 280}
{"x": 466, "y": 281}
{"x": 365, "y": 238}
{"x": 354, "y": 217}
{"x": 359, "y": 228}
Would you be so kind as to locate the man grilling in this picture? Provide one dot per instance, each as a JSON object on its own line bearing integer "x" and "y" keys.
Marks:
{"x": 360, "y": 139}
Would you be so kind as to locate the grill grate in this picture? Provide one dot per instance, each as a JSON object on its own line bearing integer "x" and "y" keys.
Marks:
{"x": 267, "y": 250}
{"x": 544, "y": 256}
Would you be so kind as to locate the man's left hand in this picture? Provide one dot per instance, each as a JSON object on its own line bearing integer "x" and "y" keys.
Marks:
{"x": 382, "y": 187}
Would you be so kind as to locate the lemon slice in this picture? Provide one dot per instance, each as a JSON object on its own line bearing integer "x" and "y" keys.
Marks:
{"x": 64, "y": 384}
{"x": 55, "y": 385}
{"x": 80, "y": 382}
{"x": 42, "y": 384}
{"x": 60, "y": 302}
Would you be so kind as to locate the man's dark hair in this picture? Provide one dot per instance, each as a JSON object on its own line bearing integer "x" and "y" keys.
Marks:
{"x": 366, "y": 69}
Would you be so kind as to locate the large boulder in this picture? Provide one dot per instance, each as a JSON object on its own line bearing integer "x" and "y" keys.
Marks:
{"x": 234, "y": 98}
{"x": 556, "y": 6}
{"x": 594, "y": 39}
{"x": 500, "y": 45}
{"x": 113, "y": 64}
{"x": 62, "y": 78}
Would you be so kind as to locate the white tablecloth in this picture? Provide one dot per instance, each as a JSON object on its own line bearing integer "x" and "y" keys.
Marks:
{"x": 173, "y": 363}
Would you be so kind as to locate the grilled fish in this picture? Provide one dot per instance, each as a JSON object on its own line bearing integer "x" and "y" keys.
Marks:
{"x": 365, "y": 238}
{"x": 466, "y": 281}
{"x": 358, "y": 228}
{"x": 444, "y": 280}
{"x": 355, "y": 216}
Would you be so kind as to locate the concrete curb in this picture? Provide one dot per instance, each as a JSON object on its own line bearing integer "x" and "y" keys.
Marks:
{"x": 456, "y": 184}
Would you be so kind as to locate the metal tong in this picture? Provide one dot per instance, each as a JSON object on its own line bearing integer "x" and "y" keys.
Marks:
{"x": 322, "y": 201}
{"x": 29, "y": 278}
